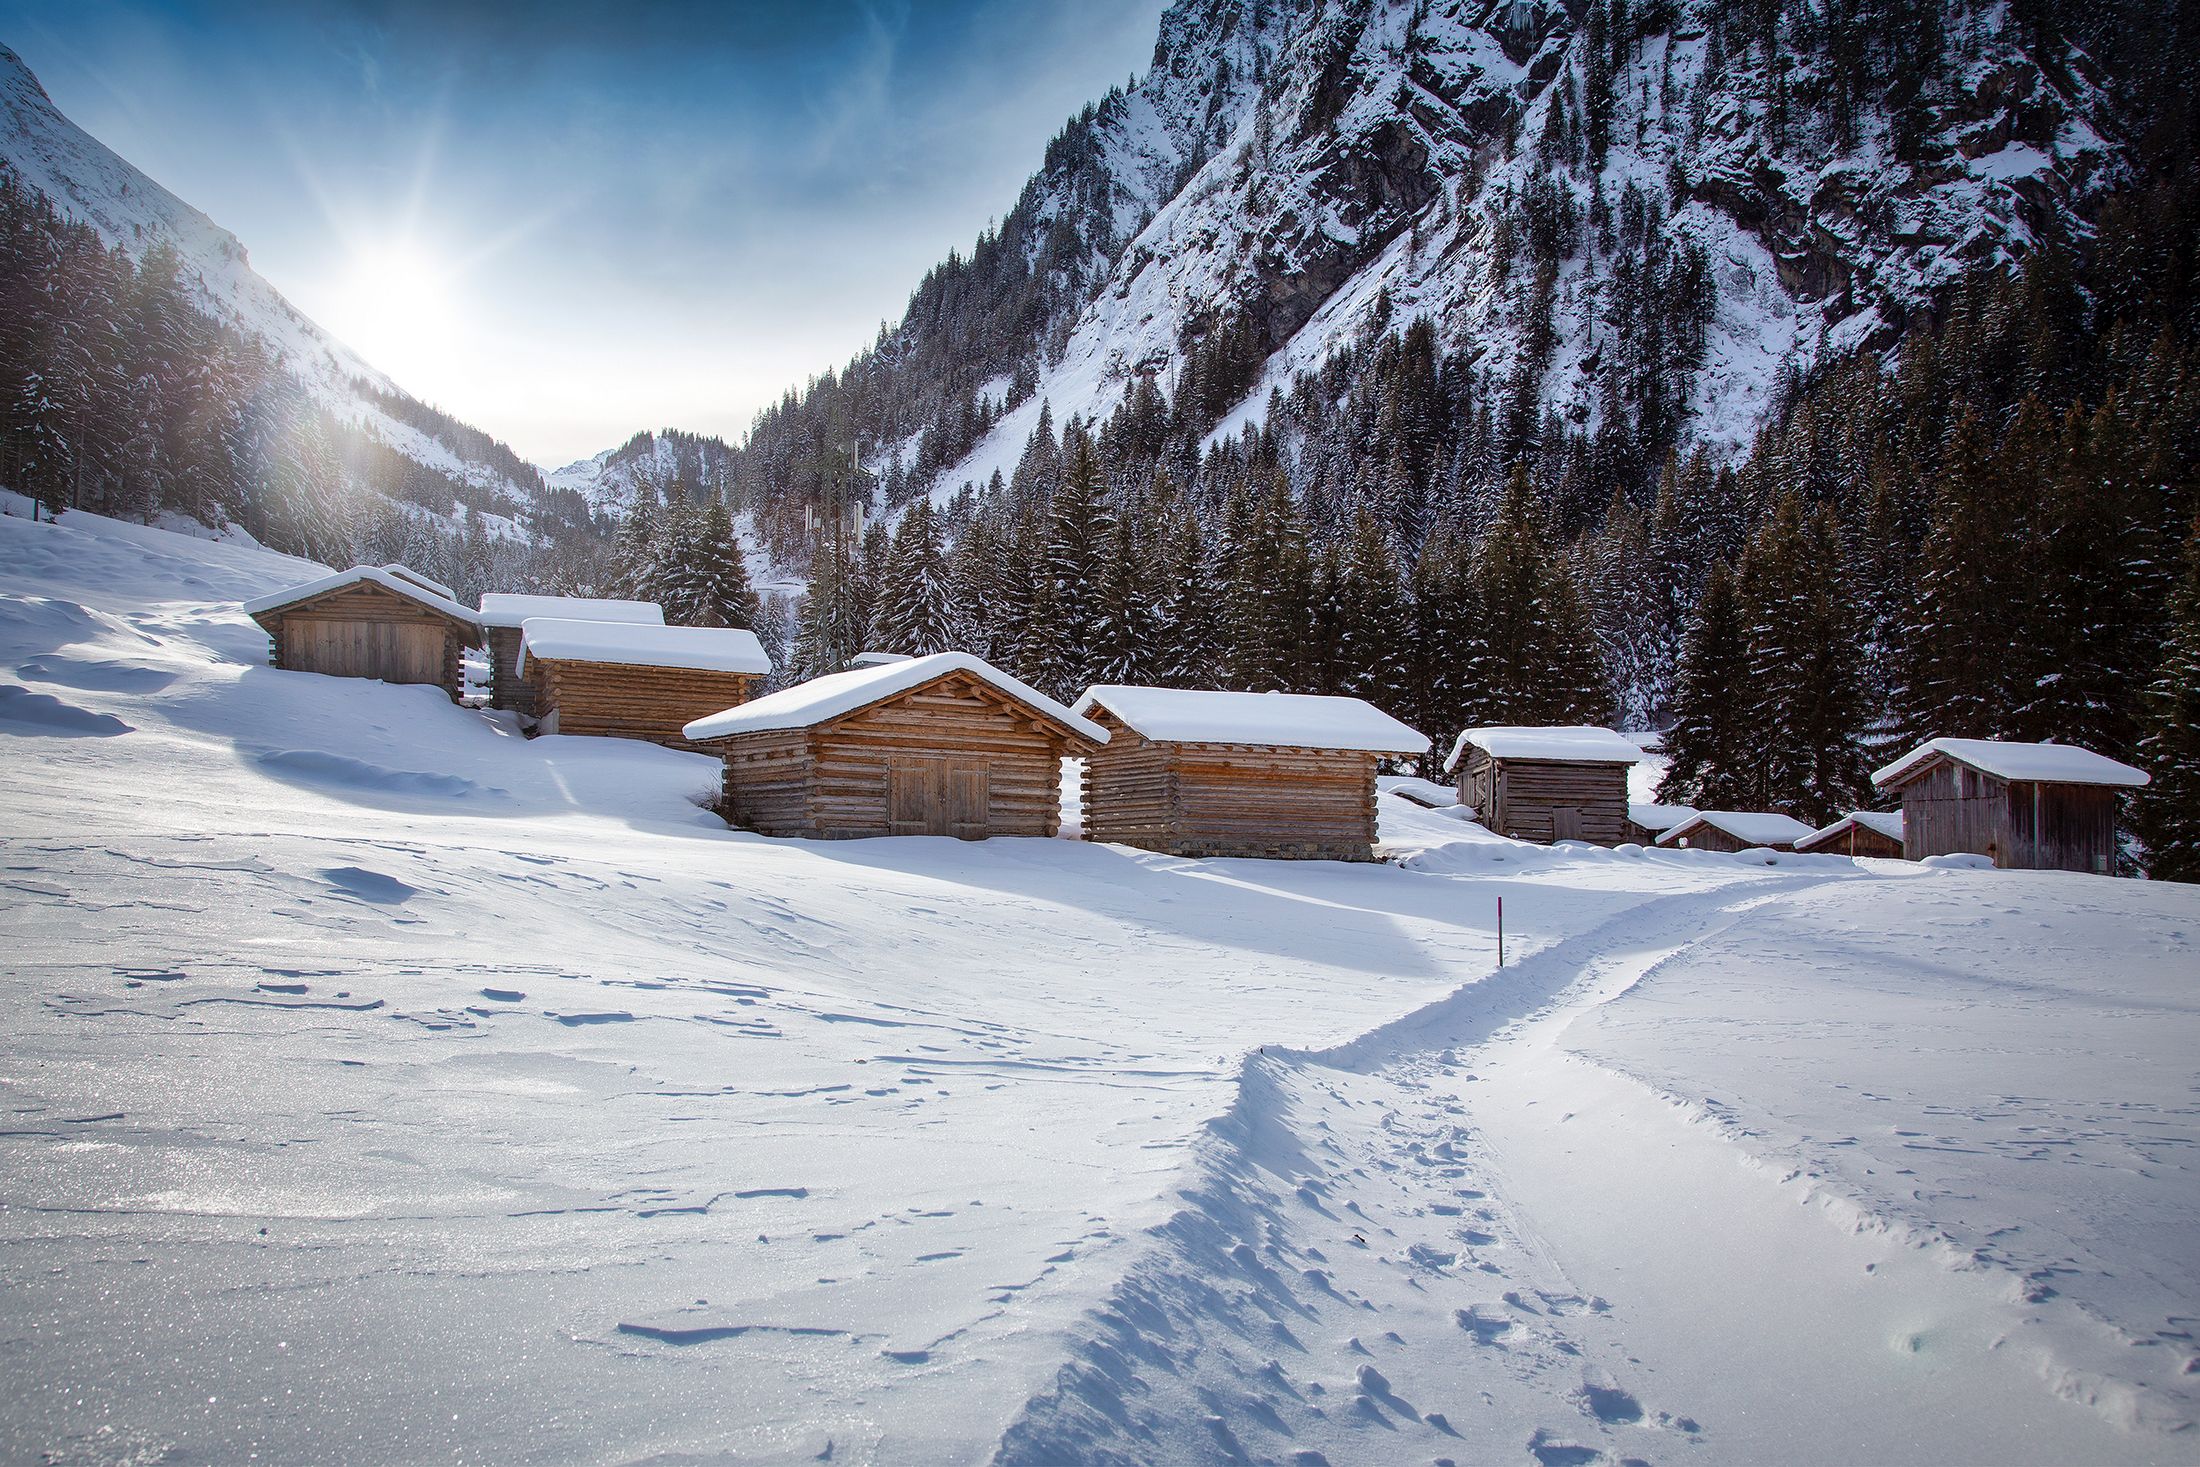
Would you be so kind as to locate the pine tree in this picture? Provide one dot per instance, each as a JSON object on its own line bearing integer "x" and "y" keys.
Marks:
{"x": 728, "y": 600}
{"x": 1079, "y": 524}
{"x": 915, "y": 613}
{"x": 639, "y": 572}
{"x": 1801, "y": 705}
{"x": 2168, "y": 815}
{"x": 1375, "y": 625}
{"x": 1707, "y": 757}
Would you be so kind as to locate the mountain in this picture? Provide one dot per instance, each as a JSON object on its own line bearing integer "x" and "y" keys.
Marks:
{"x": 1647, "y": 214}
{"x": 87, "y": 183}
{"x": 664, "y": 460}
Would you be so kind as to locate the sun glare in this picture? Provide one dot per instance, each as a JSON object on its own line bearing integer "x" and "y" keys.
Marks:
{"x": 397, "y": 305}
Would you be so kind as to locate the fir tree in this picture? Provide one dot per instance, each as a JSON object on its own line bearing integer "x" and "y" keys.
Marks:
{"x": 915, "y": 613}
{"x": 2169, "y": 807}
{"x": 727, "y": 598}
{"x": 1706, "y": 752}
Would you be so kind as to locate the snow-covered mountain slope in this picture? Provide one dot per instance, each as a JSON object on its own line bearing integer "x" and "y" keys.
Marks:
{"x": 1352, "y": 166}
{"x": 89, "y": 182}
{"x": 378, "y": 1076}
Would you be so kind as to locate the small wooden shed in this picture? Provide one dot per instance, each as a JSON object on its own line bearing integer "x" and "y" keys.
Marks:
{"x": 1858, "y": 833}
{"x": 1736, "y": 830}
{"x": 503, "y": 612}
{"x": 627, "y": 681}
{"x": 368, "y": 622}
{"x": 1647, "y": 824}
{"x": 1566, "y": 782}
{"x": 1198, "y": 773}
{"x": 940, "y": 745}
{"x": 2032, "y": 807}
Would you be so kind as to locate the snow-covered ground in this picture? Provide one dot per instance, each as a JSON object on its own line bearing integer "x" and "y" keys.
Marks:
{"x": 382, "y": 1086}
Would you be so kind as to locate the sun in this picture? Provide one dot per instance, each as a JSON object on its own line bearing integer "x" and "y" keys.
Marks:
{"x": 397, "y": 305}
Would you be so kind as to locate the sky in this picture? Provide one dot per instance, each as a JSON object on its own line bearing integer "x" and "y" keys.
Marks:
{"x": 564, "y": 223}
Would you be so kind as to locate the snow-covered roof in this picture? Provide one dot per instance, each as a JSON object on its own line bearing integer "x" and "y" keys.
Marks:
{"x": 1751, "y": 827}
{"x": 877, "y": 659}
{"x": 1887, "y": 822}
{"x": 703, "y": 649}
{"x": 509, "y": 609}
{"x": 1576, "y": 743}
{"x": 423, "y": 582}
{"x": 1660, "y": 817}
{"x": 404, "y": 586}
{"x": 2049, "y": 763}
{"x": 823, "y": 699}
{"x": 1290, "y": 720}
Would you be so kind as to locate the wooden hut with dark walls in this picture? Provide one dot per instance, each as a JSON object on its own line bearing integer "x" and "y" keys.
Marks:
{"x": 940, "y": 745}
{"x": 1858, "y": 833}
{"x": 1566, "y": 782}
{"x": 1735, "y": 830}
{"x": 627, "y": 681}
{"x": 368, "y": 622}
{"x": 1196, "y": 773}
{"x": 1648, "y": 823}
{"x": 2032, "y": 807}
{"x": 503, "y": 612}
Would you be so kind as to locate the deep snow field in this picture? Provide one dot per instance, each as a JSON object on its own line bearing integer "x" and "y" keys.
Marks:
{"x": 380, "y": 1086}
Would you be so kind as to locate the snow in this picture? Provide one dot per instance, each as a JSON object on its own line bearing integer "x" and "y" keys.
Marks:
{"x": 1755, "y": 827}
{"x": 425, "y": 583}
{"x": 2050, "y": 763}
{"x": 509, "y": 609}
{"x": 1426, "y": 793}
{"x": 1887, "y": 822}
{"x": 377, "y": 1075}
{"x": 877, "y": 659}
{"x": 1569, "y": 743}
{"x": 824, "y": 698}
{"x": 1290, "y": 720}
{"x": 631, "y": 644}
{"x": 1660, "y": 818}
{"x": 410, "y": 587}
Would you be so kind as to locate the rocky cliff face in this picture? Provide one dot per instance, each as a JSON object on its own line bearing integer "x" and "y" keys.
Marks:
{"x": 1776, "y": 183}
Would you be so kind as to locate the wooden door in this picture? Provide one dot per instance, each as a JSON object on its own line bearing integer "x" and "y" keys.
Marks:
{"x": 933, "y": 794}
{"x": 969, "y": 799}
{"x": 1565, "y": 822}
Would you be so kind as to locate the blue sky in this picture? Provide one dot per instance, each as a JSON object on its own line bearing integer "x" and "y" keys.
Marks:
{"x": 566, "y": 222}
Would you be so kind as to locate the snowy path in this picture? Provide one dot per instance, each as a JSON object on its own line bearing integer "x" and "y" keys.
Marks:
{"x": 1455, "y": 1239}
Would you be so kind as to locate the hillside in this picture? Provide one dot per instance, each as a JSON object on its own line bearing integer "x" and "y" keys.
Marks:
{"x": 1539, "y": 182}
{"x": 385, "y": 1085}
{"x": 388, "y": 443}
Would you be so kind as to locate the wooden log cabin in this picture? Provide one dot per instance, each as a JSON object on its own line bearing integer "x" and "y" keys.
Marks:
{"x": 1646, "y": 823}
{"x": 503, "y": 613}
{"x": 368, "y": 622}
{"x": 627, "y": 681}
{"x": 1565, "y": 782}
{"x": 1197, "y": 773}
{"x": 2031, "y": 807}
{"x": 1858, "y": 833}
{"x": 1735, "y": 830}
{"x": 940, "y": 745}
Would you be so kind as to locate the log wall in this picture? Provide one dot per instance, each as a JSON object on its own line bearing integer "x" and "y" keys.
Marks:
{"x": 1858, "y": 840}
{"x": 1711, "y": 838}
{"x": 953, "y": 757}
{"x": 1230, "y": 799}
{"x": 1952, "y": 809}
{"x": 1129, "y": 788}
{"x": 507, "y": 687}
{"x": 366, "y": 631}
{"x": 614, "y": 700}
{"x": 1546, "y": 800}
